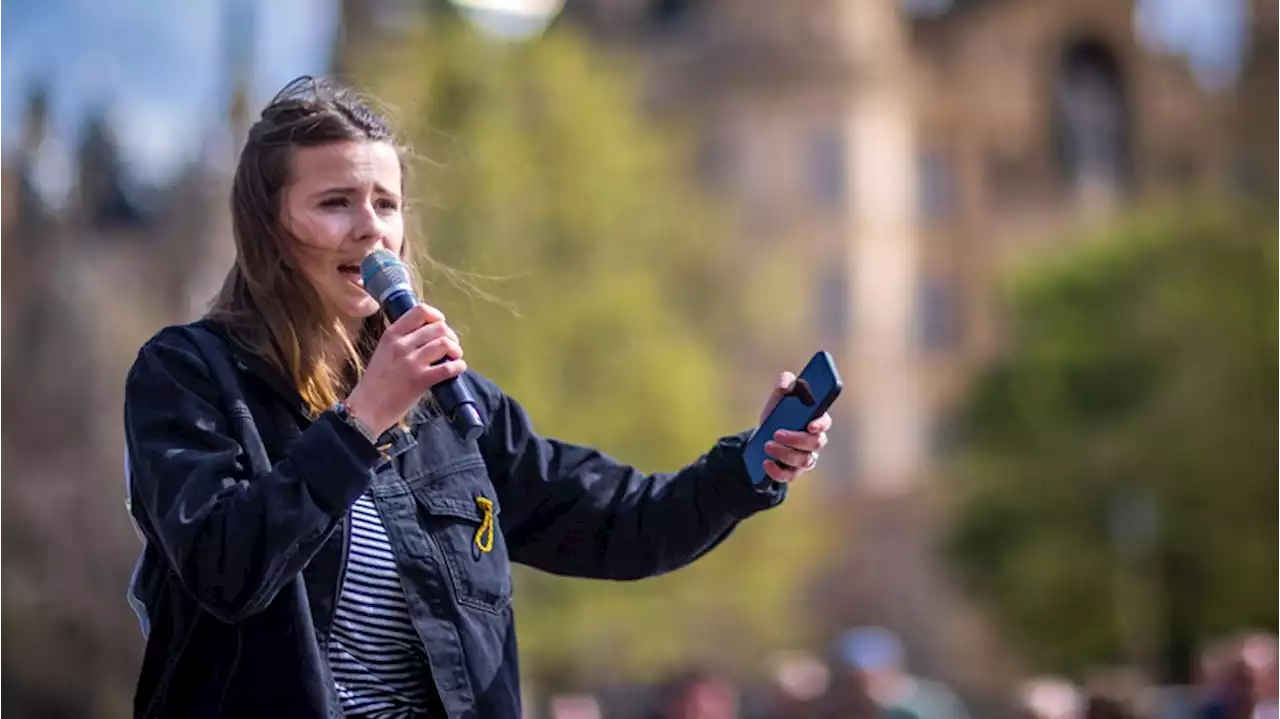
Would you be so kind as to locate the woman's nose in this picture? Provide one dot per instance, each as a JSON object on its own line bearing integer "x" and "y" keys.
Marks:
{"x": 369, "y": 228}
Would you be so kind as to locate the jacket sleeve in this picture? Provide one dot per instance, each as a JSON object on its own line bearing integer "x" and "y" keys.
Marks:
{"x": 233, "y": 537}
{"x": 574, "y": 511}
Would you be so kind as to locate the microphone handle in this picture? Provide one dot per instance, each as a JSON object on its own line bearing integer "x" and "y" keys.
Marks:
{"x": 455, "y": 397}
{"x": 398, "y": 303}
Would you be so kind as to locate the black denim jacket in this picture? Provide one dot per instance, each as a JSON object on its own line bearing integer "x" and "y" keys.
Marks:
{"x": 242, "y": 500}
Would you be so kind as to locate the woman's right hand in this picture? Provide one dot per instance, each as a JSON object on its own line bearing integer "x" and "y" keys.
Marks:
{"x": 401, "y": 369}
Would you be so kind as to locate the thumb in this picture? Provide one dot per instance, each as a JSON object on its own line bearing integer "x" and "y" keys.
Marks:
{"x": 780, "y": 390}
{"x": 785, "y": 381}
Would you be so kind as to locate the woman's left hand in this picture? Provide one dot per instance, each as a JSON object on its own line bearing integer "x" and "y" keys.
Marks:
{"x": 794, "y": 452}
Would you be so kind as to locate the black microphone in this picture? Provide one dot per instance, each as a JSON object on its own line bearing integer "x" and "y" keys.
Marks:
{"x": 386, "y": 279}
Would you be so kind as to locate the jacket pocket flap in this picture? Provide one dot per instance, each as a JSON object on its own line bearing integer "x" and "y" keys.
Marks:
{"x": 454, "y": 506}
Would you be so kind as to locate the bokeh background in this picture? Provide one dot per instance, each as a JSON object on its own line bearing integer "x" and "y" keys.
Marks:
{"x": 1039, "y": 237}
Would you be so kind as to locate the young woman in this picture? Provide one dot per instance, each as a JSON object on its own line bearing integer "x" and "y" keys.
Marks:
{"x": 319, "y": 542}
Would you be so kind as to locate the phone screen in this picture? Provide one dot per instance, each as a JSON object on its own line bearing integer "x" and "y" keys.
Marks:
{"x": 811, "y": 395}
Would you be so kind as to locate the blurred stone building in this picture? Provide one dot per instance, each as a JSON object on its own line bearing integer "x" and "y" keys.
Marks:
{"x": 913, "y": 149}
{"x": 86, "y": 248}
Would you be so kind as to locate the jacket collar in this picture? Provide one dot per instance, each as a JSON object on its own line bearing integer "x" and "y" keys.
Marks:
{"x": 258, "y": 367}
{"x": 398, "y": 440}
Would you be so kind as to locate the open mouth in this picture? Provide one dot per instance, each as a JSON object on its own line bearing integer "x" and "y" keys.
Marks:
{"x": 351, "y": 273}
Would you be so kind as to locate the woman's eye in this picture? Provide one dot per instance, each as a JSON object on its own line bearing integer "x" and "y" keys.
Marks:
{"x": 334, "y": 202}
{"x": 388, "y": 205}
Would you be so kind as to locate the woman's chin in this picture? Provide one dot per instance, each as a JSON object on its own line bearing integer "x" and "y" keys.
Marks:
{"x": 360, "y": 310}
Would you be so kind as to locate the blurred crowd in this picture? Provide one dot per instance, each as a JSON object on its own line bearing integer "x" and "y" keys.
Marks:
{"x": 868, "y": 676}
{"x": 1236, "y": 679}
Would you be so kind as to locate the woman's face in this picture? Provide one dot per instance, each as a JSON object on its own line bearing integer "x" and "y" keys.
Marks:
{"x": 342, "y": 203}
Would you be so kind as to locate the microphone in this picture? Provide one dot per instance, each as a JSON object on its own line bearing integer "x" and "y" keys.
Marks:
{"x": 386, "y": 279}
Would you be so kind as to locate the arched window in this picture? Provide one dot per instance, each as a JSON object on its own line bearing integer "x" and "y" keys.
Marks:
{"x": 1091, "y": 117}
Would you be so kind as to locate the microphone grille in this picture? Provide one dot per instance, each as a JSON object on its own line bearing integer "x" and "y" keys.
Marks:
{"x": 384, "y": 273}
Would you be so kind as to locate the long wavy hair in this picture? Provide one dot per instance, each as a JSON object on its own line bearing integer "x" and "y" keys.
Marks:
{"x": 266, "y": 301}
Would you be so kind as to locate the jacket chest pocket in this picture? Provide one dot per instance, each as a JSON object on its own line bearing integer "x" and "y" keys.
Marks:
{"x": 459, "y": 514}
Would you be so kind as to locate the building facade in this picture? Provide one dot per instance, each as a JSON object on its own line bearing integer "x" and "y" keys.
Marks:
{"x": 911, "y": 152}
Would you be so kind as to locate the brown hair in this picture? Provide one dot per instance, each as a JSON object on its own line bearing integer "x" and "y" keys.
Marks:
{"x": 266, "y": 301}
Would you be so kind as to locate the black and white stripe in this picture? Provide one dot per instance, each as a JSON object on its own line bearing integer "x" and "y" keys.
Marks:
{"x": 378, "y": 662}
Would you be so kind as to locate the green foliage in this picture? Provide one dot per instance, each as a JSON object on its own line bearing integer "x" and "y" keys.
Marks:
{"x": 1117, "y": 475}
{"x": 544, "y": 185}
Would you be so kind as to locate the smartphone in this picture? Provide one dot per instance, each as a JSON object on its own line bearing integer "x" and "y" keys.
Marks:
{"x": 813, "y": 393}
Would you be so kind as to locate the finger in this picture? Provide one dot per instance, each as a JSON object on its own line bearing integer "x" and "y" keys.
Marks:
{"x": 803, "y": 441}
{"x": 436, "y": 350}
{"x": 821, "y": 424}
{"x": 426, "y": 333}
{"x": 779, "y": 474}
{"x": 790, "y": 457}
{"x": 444, "y": 371}
{"x": 416, "y": 317}
{"x": 433, "y": 314}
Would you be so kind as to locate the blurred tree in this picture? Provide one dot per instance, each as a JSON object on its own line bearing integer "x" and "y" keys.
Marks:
{"x": 617, "y": 324}
{"x": 1117, "y": 476}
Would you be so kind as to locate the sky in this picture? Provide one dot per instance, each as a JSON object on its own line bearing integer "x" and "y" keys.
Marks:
{"x": 159, "y": 67}
{"x": 1211, "y": 33}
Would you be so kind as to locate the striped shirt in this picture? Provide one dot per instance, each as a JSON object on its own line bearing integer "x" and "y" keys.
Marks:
{"x": 377, "y": 658}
